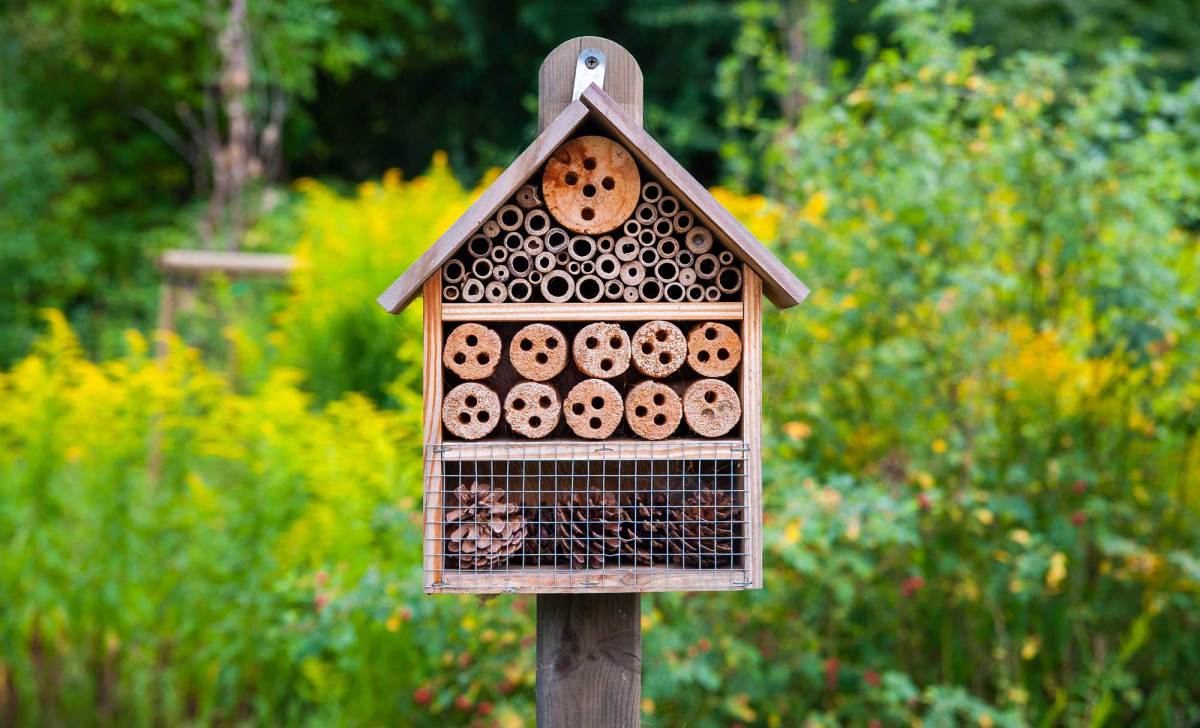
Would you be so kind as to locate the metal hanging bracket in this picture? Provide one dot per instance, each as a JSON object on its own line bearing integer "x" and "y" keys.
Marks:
{"x": 589, "y": 69}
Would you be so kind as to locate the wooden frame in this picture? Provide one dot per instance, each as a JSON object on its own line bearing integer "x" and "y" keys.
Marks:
{"x": 432, "y": 425}
{"x": 517, "y": 312}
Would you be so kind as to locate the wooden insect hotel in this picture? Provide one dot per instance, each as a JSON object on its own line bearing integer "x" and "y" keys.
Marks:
{"x": 592, "y": 330}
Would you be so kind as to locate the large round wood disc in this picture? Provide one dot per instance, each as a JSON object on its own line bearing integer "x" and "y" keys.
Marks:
{"x": 591, "y": 185}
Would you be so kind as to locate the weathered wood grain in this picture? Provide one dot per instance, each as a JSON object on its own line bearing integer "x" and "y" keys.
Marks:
{"x": 589, "y": 661}
{"x": 579, "y": 450}
{"x": 200, "y": 262}
{"x": 556, "y": 78}
{"x": 432, "y": 425}
{"x": 610, "y": 580}
{"x": 752, "y": 418}
{"x": 721, "y": 311}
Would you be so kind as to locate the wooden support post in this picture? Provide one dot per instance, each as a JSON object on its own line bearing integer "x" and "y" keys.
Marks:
{"x": 589, "y": 646}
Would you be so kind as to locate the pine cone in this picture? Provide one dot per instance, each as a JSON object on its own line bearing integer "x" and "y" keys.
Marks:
{"x": 703, "y": 529}
{"x": 484, "y": 529}
{"x": 592, "y": 526}
{"x": 540, "y": 543}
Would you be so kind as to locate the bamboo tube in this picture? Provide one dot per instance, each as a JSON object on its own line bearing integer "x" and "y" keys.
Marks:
{"x": 501, "y": 273}
{"x": 519, "y": 290}
{"x": 695, "y": 293}
{"x": 626, "y": 250}
{"x": 482, "y": 268}
{"x": 556, "y": 239}
{"x": 651, "y": 192}
{"x": 663, "y": 227}
{"x": 490, "y": 228}
{"x": 544, "y": 262}
{"x": 729, "y": 280}
{"x": 674, "y": 292}
{"x": 645, "y": 214}
{"x": 450, "y": 293}
{"x": 510, "y": 217}
{"x": 666, "y": 270}
{"x": 650, "y": 290}
{"x": 687, "y": 276}
{"x": 527, "y": 196}
{"x": 712, "y": 293}
{"x": 533, "y": 244}
{"x": 479, "y": 246}
{"x": 646, "y": 237}
{"x": 608, "y": 267}
{"x": 725, "y": 257}
{"x": 631, "y": 228}
{"x": 682, "y": 222}
{"x": 499, "y": 254}
{"x": 537, "y": 222}
{"x": 698, "y": 240}
{"x": 589, "y": 289}
{"x": 454, "y": 271}
{"x": 632, "y": 273}
{"x": 613, "y": 290}
{"x": 495, "y": 292}
{"x": 685, "y": 258}
{"x": 513, "y": 241}
{"x": 472, "y": 290}
{"x": 667, "y": 206}
{"x": 582, "y": 247}
{"x": 557, "y": 286}
{"x": 648, "y": 257}
{"x": 587, "y": 267}
{"x": 667, "y": 247}
{"x": 535, "y": 278}
{"x": 520, "y": 264}
{"x": 707, "y": 267}
{"x": 573, "y": 267}
{"x": 630, "y": 294}
{"x": 562, "y": 258}
{"x": 605, "y": 244}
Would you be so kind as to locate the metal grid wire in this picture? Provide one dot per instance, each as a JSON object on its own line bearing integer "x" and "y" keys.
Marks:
{"x": 508, "y": 510}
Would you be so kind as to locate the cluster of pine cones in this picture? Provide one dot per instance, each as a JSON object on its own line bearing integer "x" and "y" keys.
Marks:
{"x": 590, "y": 529}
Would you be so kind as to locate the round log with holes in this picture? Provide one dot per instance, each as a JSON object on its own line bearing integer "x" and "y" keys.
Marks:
{"x": 711, "y": 407}
{"x": 593, "y": 409}
{"x": 659, "y": 349}
{"x": 472, "y": 351}
{"x": 538, "y": 352}
{"x": 714, "y": 349}
{"x": 653, "y": 410}
{"x": 601, "y": 350}
{"x": 471, "y": 410}
{"x": 532, "y": 409}
{"x": 591, "y": 184}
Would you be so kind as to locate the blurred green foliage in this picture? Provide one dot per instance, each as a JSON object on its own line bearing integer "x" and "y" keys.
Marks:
{"x": 981, "y": 429}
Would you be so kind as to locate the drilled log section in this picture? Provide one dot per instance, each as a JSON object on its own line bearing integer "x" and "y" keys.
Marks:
{"x": 714, "y": 349}
{"x": 479, "y": 246}
{"x": 674, "y": 292}
{"x": 608, "y": 267}
{"x": 538, "y": 352}
{"x": 601, "y": 350}
{"x": 650, "y": 289}
{"x": 520, "y": 290}
{"x": 532, "y": 409}
{"x": 591, "y": 184}
{"x": 659, "y": 349}
{"x": 510, "y": 218}
{"x": 556, "y": 239}
{"x": 653, "y": 410}
{"x": 472, "y": 351}
{"x": 632, "y": 274}
{"x": 698, "y": 240}
{"x": 471, "y": 410}
{"x": 707, "y": 266}
{"x": 613, "y": 290}
{"x": 682, "y": 222}
{"x": 454, "y": 271}
{"x": 450, "y": 293}
{"x": 593, "y": 409}
{"x": 729, "y": 279}
{"x": 472, "y": 290}
{"x": 712, "y": 407}
{"x": 626, "y": 249}
{"x": 558, "y": 286}
{"x": 519, "y": 264}
{"x": 589, "y": 288}
{"x": 537, "y": 222}
{"x": 651, "y": 192}
{"x": 527, "y": 196}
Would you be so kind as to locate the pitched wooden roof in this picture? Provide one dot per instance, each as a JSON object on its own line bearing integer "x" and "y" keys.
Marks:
{"x": 779, "y": 283}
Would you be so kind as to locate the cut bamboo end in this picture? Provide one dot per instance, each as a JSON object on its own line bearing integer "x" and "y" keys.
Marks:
{"x": 602, "y": 350}
{"x": 472, "y": 290}
{"x": 712, "y": 294}
{"x": 631, "y": 228}
{"x": 667, "y": 206}
{"x": 666, "y": 270}
{"x": 714, "y": 349}
{"x": 687, "y": 276}
{"x": 645, "y": 214}
{"x": 479, "y": 246}
{"x": 471, "y": 411}
{"x": 674, "y": 292}
{"x": 667, "y": 247}
{"x": 450, "y": 293}
{"x": 729, "y": 280}
{"x": 653, "y": 410}
{"x": 520, "y": 290}
{"x": 695, "y": 293}
{"x": 482, "y": 268}
{"x": 707, "y": 267}
{"x": 499, "y": 254}
{"x": 632, "y": 274}
{"x": 527, "y": 196}
{"x": 582, "y": 247}
{"x": 454, "y": 271}
{"x": 663, "y": 227}
{"x": 556, "y": 239}
{"x": 490, "y": 228}
{"x": 648, "y": 257}
{"x": 520, "y": 264}
{"x": 533, "y": 244}
{"x": 651, "y": 192}
{"x": 605, "y": 244}
{"x": 510, "y": 218}
{"x": 532, "y": 409}
{"x": 613, "y": 290}
{"x": 698, "y": 240}
{"x": 712, "y": 407}
{"x": 544, "y": 262}
{"x": 501, "y": 273}
{"x": 593, "y": 409}
{"x": 626, "y": 249}
{"x": 558, "y": 286}
{"x": 589, "y": 288}
{"x": 650, "y": 289}
{"x": 683, "y": 222}
{"x": 472, "y": 351}
{"x": 659, "y": 349}
{"x": 537, "y": 222}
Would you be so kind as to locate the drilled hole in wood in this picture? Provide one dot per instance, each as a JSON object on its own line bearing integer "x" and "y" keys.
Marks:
{"x": 608, "y": 183}
{"x": 589, "y": 164}
{"x": 571, "y": 178}
{"x": 526, "y": 345}
{"x": 589, "y": 190}
{"x": 470, "y": 401}
{"x": 587, "y": 213}
{"x": 518, "y": 404}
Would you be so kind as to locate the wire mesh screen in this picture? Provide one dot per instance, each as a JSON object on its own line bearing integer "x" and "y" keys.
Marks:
{"x": 517, "y": 517}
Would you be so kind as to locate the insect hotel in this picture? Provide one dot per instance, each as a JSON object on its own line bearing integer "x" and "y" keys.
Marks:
{"x": 593, "y": 364}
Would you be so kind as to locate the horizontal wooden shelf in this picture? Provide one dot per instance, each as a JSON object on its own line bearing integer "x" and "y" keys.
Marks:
{"x": 605, "y": 579}
{"x": 608, "y": 311}
{"x": 536, "y": 450}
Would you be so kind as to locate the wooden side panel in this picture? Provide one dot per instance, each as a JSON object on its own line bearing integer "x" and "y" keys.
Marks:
{"x": 432, "y": 426}
{"x": 752, "y": 415}
{"x": 784, "y": 289}
{"x": 556, "y": 78}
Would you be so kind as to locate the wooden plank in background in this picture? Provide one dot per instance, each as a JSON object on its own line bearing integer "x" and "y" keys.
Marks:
{"x": 200, "y": 262}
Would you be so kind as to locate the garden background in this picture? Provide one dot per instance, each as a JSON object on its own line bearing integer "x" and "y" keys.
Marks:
{"x": 981, "y": 430}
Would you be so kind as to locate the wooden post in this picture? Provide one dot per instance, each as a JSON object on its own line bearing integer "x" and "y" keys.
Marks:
{"x": 589, "y": 646}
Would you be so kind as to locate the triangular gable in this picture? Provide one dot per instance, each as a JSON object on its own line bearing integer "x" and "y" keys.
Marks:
{"x": 779, "y": 283}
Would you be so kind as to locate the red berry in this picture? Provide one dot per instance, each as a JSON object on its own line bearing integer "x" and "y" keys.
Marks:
{"x": 872, "y": 678}
{"x": 320, "y": 600}
{"x": 874, "y": 723}
{"x": 832, "y": 666}
{"x": 484, "y": 708}
{"x": 923, "y": 501}
{"x": 322, "y": 578}
{"x": 506, "y": 686}
{"x": 912, "y": 585}
{"x": 423, "y": 695}
{"x": 1080, "y": 487}
{"x": 463, "y": 703}
{"x": 704, "y": 644}
{"x": 1079, "y": 518}
{"x": 464, "y": 660}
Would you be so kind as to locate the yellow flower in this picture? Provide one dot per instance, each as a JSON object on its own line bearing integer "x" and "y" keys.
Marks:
{"x": 393, "y": 623}
{"x": 647, "y": 705}
{"x": 939, "y": 446}
{"x": 1057, "y": 571}
{"x": 853, "y": 529}
{"x": 797, "y": 430}
{"x": 984, "y": 516}
{"x": 986, "y": 721}
{"x": 791, "y": 534}
{"x": 1030, "y": 647}
{"x": 814, "y": 209}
